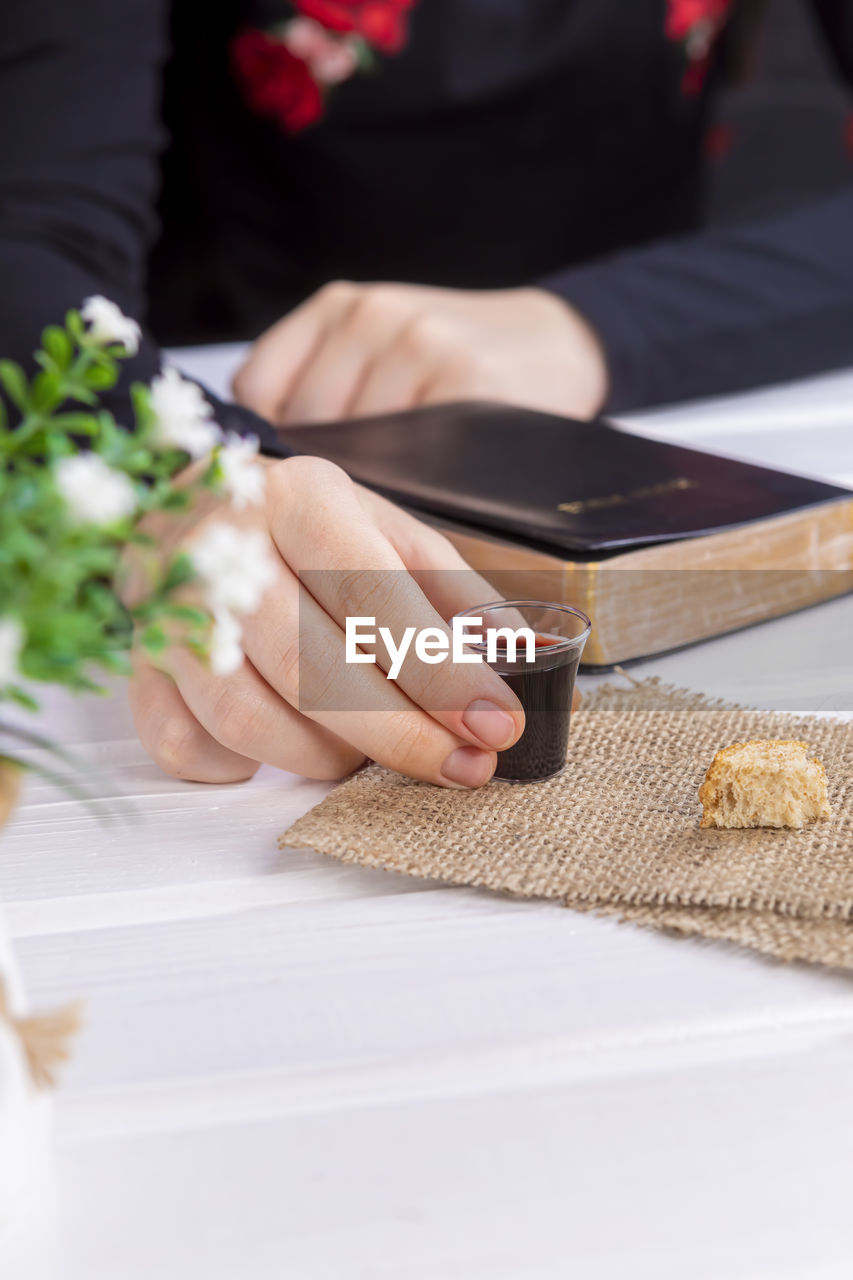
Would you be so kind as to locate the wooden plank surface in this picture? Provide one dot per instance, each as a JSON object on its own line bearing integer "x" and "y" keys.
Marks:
{"x": 295, "y": 1068}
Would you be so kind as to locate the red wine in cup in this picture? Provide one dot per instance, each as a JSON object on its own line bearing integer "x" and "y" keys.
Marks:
{"x": 544, "y": 688}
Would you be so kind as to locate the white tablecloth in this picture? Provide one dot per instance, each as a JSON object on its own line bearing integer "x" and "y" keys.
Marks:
{"x": 295, "y": 1068}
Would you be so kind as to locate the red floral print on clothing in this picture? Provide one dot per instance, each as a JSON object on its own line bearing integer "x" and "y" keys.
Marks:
{"x": 276, "y": 82}
{"x": 382, "y": 23}
{"x": 696, "y": 25}
{"x": 287, "y": 71}
{"x": 683, "y": 16}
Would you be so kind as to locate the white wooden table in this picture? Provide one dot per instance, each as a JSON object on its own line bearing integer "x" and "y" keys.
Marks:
{"x": 293, "y": 1068}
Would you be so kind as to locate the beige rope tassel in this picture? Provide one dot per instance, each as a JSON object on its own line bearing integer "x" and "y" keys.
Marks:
{"x": 10, "y": 786}
{"x": 46, "y": 1038}
{"x": 627, "y": 676}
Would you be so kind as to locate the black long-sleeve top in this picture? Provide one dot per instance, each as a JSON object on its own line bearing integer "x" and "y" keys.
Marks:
{"x": 510, "y": 142}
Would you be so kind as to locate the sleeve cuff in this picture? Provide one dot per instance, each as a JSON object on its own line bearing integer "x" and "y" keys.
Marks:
{"x": 594, "y": 293}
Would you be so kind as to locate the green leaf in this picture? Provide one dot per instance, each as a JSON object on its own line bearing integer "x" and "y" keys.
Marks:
{"x": 46, "y": 390}
{"x": 23, "y": 699}
{"x": 116, "y": 663}
{"x": 154, "y": 639}
{"x": 100, "y": 377}
{"x": 365, "y": 57}
{"x": 137, "y": 462}
{"x": 177, "y": 500}
{"x": 74, "y": 325}
{"x": 180, "y": 572}
{"x": 185, "y": 613}
{"x": 15, "y": 384}
{"x": 82, "y": 394}
{"x": 57, "y": 344}
{"x": 81, "y": 424}
{"x": 45, "y": 361}
{"x": 140, "y": 397}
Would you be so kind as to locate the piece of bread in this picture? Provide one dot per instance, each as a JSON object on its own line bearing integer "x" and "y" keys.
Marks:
{"x": 770, "y": 783}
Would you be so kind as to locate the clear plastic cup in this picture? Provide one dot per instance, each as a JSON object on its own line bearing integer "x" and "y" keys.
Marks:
{"x": 543, "y": 686}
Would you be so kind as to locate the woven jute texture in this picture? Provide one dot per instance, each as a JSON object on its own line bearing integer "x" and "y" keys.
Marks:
{"x": 619, "y": 831}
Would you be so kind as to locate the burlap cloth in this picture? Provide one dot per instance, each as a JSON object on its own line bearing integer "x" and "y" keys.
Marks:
{"x": 618, "y": 831}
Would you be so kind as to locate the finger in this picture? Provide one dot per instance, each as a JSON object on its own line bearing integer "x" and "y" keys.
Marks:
{"x": 264, "y": 383}
{"x": 396, "y": 379}
{"x": 459, "y": 379}
{"x": 244, "y": 714}
{"x": 360, "y": 337}
{"x": 371, "y": 579}
{"x": 173, "y": 737}
{"x": 435, "y": 564}
{"x": 439, "y": 569}
{"x": 300, "y": 651}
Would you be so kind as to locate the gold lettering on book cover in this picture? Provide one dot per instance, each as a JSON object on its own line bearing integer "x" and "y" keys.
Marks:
{"x": 623, "y": 499}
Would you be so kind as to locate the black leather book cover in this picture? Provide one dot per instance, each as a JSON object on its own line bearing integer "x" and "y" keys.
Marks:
{"x": 583, "y": 487}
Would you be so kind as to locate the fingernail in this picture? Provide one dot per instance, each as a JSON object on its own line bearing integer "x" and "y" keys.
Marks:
{"x": 490, "y": 723}
{"x": 468, "y": 767}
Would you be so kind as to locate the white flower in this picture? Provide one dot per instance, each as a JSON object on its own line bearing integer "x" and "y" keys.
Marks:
{"x": 235, "y": 565}
{"x": 226, "y": 652}
{"x": 107, "y": 324}
{"x": 94, "y": 492}
{"x": 183, "y": 415}
{"x": 11, "y": 644}
{"x": 244, "y": 479}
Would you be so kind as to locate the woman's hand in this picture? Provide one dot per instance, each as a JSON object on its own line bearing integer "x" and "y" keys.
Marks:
{"x": 352, "y": 350}
{"x": 439, "y": 723}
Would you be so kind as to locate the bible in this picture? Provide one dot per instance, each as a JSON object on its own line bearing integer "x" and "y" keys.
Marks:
{"x": 661, "y": 545}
